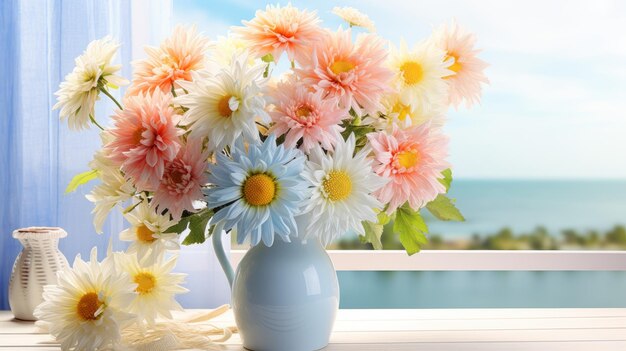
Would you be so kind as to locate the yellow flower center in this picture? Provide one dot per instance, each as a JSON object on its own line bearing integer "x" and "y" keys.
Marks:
{"x": 412, "y": 72}
{"x": 303, "y": 112}
{"x": 408, "y": 159}
{"x": 337, "y": 185}
{"x": 259, "y": 189}
{"x": 145, "y": 282}
{"x": 223, "y": 106}
{"x": 137, "y": 135}
{"x": 456, "y": 66}
{"x": 340, "y": 66}
{"x": 88, "y": 305}
{"x": 144, "y": 234}
{"x": 402, "y": 110}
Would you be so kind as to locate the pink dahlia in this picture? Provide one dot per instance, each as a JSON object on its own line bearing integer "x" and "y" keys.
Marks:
{"x": 303, "y": 115}
{"x": 145, "y": 138}
{"x": 280, "y": 29}
{"x": 353, "y": 72}
{"x": 183, "y": 180}
{"x": 176, "y": 57}
{"x": 465, "y": 83}
{"x": 412, "y": 159}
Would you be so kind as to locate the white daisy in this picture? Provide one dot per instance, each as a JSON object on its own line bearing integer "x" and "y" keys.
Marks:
{"x": 342, "y": 191}
{"x": 78, "y": 93}
{"x": 405, "y": 115}
{"x": 156, "y": 286}
{"x": 86, "y": 309}
{"x": 419, "y": 73}
{"x": 225, "y": 106}
{"x": 114, "y": 188}
{"x": 355, "y": 18}
{"x": 148, "y": 233}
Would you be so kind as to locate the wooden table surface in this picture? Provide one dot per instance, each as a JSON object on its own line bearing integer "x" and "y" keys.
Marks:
{"x": 426, "y": 329}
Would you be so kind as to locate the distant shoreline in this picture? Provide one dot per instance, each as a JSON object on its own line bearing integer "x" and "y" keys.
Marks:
{"x": 505, "y": 239}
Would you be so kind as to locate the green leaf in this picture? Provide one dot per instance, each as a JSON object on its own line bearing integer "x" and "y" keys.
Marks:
{"x": 268, "y": 58}
{"x": 197, "y": 227}
{"x": 443, "y": 208}
{"x": 180, "y": 226}
{"x": 373, "y": 232}
{"x": 81, "y": 179}
{"x": 383, "y": 218}
{"x": 447, "y": 179}
{"x": 266, "y": 72}
{"x": 412, "y": 229}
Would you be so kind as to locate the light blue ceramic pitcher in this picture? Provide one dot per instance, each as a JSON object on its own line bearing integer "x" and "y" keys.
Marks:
{"x": 284, "y": 297}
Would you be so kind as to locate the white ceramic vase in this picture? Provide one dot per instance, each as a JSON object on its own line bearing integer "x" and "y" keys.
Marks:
{"x": 35, "y": 267}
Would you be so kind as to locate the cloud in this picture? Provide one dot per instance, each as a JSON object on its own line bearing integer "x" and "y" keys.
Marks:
{"x": 212, "y": 26}
{"x": 558, "y": 28}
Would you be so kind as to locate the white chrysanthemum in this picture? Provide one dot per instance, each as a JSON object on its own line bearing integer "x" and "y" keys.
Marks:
{"x": 406, "y": 115}
{"x": 355, "y": 18}
{"x": 78, "y": 93}
{"x": 227, "y": 49}
{"x": 114, "y": 188}
{"x": 148, "y": 233}
{"x": 419, "y": 73}
{"x": 85, "y": 310}
{"x": 156, "y": 286}
{"x": 342, "y": 191}
{"x": 225, "y": 106}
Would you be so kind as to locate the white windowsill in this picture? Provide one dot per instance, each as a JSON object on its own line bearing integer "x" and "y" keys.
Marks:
{"x": 599, "y": 329}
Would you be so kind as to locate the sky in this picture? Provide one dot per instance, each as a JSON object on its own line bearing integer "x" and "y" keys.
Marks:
{"x": 556, "y": 104}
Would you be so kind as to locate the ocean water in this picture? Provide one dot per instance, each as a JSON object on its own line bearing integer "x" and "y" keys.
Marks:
{"x": 484, "y": 289}
{"x": 520, "y": 205}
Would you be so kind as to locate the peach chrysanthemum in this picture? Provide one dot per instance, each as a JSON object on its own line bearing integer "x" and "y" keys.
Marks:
{"x": 354, "y": 17}
{"x": 465, "y": 83}
{"x": 145, "y": 138}
{"x": 412, "y": 159}
{"x": 303, "y": 115}
{"x": 183, "y": 180}
{"x": 175, "y": 59}
{"x": 280, "y": 29}
{"x": 353, "y": 72}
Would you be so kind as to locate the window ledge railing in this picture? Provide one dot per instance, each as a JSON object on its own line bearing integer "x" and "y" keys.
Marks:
{"x": 471, "y": 260}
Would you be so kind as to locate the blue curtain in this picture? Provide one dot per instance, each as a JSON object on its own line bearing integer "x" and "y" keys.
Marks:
{"x": 39, "y": 155}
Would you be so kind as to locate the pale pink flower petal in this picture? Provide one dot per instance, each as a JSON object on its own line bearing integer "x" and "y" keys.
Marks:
{"x": 304, "y": 115}
{"x": 145, "y": 138}
{"x": 183, "y": 180}
{"x": 412, "y": 159}
{"x": 355, "y": 73}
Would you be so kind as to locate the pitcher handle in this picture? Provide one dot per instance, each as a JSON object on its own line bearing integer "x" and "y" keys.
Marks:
{"x": 223, "y": 259}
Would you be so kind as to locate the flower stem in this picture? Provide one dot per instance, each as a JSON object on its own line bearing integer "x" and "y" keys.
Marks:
{"x": 93, "y": 120}
{"x": 131, "y": 207}
{"x": 106, "y": 92}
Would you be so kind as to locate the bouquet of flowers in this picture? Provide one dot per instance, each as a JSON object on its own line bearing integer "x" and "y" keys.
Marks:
{"x": 216, "y": 135}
